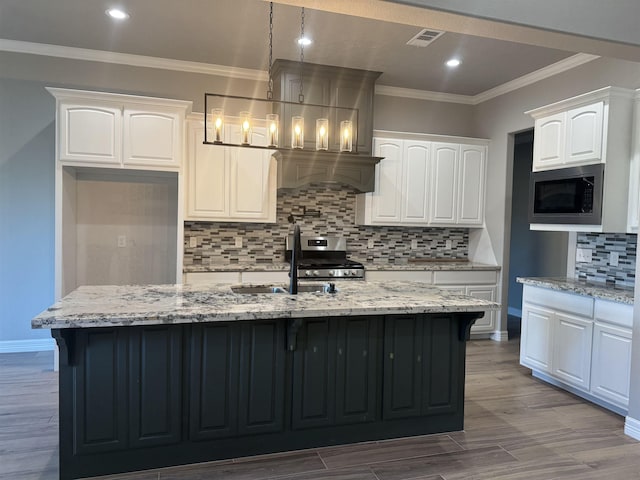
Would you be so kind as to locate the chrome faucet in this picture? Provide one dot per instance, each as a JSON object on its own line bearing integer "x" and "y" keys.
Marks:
{"x": 296, "y": 255}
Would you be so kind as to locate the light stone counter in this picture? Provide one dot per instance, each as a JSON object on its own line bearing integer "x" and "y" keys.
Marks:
{"x": 373, "y": 266}
{"x": 581, "y": 287}
{"x": 105, "y": 306}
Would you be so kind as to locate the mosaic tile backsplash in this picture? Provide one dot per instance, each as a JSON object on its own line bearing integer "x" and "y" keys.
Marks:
{"x": 601, "y": 245}
{"x": 330, "y": 210}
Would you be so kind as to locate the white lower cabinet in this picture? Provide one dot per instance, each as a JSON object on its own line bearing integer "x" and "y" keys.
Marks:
{"x": 579, "y": 342}
{"x": 572, "y": 349}
{"x": 535, "y": 337}
{"x": 611, "y": 369}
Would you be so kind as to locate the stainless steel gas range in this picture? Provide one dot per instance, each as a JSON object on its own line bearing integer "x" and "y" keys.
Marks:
{"x": 325, "y": 258}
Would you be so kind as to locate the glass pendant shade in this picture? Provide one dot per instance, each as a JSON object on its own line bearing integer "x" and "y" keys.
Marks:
{"x": 272, "y": 129}
{"x": 297, "y": 132}
{"x": 245, "y": 128}
{"x": 346, "y": 136}
{"x": 217, "y": 116}
{"x": 322, "y": 134}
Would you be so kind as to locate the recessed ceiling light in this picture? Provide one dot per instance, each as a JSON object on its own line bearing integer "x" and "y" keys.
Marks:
{"x": 117, "y": 14}
{"x": 454, "y": 62}
{"x": 304, "y": 41}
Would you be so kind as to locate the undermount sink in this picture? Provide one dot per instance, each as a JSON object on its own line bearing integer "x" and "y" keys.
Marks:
{"x": 304, "y": 288}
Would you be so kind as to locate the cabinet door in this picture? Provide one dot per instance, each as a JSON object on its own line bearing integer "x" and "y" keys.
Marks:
{"x": 486, "y": 324}
{"x": 444, "y": 183}
{"x": 572, "y": 349}
{"x": 611, "y": 363}
{"x": 213, "y": 381}
{"x": 252, "y": 182}
{"x": 536, "y": 337}
{"x": 402, "y": 371}
{"x": 100, "y": 391}
{"x": 549, "y": 142}
{"x": 584, "y": 134}
{"x": 155, "y": 386}
{"x": 91, "y": 134}
{"x": 262, "y": 367}
{"x": 471, "y": 182}
{"x": 415, "y": 182}
{"x": 357, "y": 369}
{"x": 152, "y": 138}
{"x": 314, "y": 375}
{"x": 441, "y": 366}
{"x": 207, "y": 172}
{"x": 386, "y": 200}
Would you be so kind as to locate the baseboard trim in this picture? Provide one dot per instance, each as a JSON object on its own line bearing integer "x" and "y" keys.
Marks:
{"x": 632, "y": 427}
{"x": 17, "y": 346}
{"x": 500, "y": 336}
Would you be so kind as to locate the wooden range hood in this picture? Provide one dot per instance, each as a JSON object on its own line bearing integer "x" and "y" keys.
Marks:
{"x": 336, "y": 87}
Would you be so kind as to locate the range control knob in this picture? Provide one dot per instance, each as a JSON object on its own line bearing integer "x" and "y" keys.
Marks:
{"x": 316, "y": 273}
{"x": 332, "y": 273}
{"x": 307, "y": 273}
{"x": 347, "y": 273}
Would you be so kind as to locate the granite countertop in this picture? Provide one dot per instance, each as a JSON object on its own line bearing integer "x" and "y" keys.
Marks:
{"x": 426, "y": 265}
{"x": 103, "y": 306}
{"x": 582, "y": 287}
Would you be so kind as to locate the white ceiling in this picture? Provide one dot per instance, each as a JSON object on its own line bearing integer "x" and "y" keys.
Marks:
{"x": 234, "y": 33}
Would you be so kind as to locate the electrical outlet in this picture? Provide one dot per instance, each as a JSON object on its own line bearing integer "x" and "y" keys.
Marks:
{"x": 614, "y": 257}
{"x": 122, "y": 241}
{"x": 238, "y": 242}
{"x": 583, "y": 255}
{"x": 448, "y": 244}
{"x": 370, "y": 243}
{"x": 414, "y": 244}
{"x": 193, "y": 242}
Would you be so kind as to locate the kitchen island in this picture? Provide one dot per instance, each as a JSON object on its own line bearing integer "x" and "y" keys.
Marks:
{"x": 152, "y": 376}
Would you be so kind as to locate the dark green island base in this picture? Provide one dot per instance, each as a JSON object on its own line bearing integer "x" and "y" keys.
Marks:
{"x": 141, "y": 397}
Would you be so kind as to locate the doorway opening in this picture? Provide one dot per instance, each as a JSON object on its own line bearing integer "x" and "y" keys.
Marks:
{"x": 531, "y": 253}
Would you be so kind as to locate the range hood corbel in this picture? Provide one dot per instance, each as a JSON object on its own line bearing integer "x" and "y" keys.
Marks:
{"x": 300, "y": 167}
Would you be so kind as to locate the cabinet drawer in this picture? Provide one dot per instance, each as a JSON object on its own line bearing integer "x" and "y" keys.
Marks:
{"x": 456, "y": 277}
{"x": 212, "y": 277}
{"x": 568, "y": 302}
{"x": 614, "y": 312}
{"x": 407, "y": 276}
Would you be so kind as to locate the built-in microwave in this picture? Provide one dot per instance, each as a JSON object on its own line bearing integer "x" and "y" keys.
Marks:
{"x": 571, "y": 196}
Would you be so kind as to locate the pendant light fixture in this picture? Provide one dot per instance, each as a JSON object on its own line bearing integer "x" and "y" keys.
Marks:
{"x": 290, "y": 112}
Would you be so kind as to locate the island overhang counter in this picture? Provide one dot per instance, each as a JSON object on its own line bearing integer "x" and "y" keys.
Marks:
{"x": 159, "y": 375}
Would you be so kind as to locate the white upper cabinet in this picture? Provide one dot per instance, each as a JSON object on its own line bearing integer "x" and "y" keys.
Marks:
{"x": 113, "y": 130}
{"x": 232, "y": 184}
{"x": 386, "y": 201}
{"x": 549, "y": 141}
{"x": 587, "y": 129}
{"x": 152, "y": 137}
{"x": 89, "y": 133}
{"x": 422, "y": 182}
{"x": 584, "y": 134}
{"x": 471, "y": 184}
{"x": 415, "y": 180}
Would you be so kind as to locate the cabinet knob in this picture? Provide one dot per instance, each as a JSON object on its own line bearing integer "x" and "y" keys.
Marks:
{"x": 419, "y": 358}
{"x": 339, "y": 351}
{"x": 364, "y": 353}
{"x": 391, "y": 356}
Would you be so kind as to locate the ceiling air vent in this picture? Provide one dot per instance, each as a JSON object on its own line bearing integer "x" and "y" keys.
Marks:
{"x": 424, "y": 38}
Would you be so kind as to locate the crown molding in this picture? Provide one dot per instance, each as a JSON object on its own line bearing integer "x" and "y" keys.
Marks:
{"x": 423, "y": 95}
{"x": 525, "y": 80}
{"x": 533, "y": 77}
{"x": 130, "y": 59}
{"x": 74, "y": 53}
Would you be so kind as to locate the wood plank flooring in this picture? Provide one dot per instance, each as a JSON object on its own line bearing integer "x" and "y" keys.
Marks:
{"x": 516, "y": 427}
